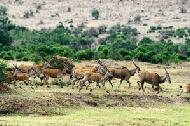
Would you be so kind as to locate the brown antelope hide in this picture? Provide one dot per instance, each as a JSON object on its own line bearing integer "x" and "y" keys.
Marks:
{"x": 13, "y": 77}
{"x": 122, "y": 74}
{"x": 185, "y": 88}
{"x": 152, "y": 78}
{"x": 95, "y": 77}
{"x": 78, "y": 73}
{"x": 50, "y": 72}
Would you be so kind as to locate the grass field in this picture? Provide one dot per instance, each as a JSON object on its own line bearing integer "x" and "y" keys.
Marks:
{"x": 164, "y": 116}
{"x": 122, "y": 106}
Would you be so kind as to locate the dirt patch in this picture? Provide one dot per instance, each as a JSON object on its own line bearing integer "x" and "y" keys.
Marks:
{"x": 44, "y": 105}
{"x": 5, "y": 89}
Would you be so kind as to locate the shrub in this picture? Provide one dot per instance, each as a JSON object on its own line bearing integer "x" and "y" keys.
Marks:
{"x": 5, "y": 37}
{"x": 183, "y": 10}
{"x": 152, "y": 29}
{"x": 180, "y": 33}
{"x": 3, "y": 10}
{"x": 84, "y": 55}
{"x": 2, "y": 71}
{"x": 102, "y": 29}
{"x": 28, "y": 14}
{"x": 137, "y": 19}
{"x": 146, "y": 40}
{"x": 93, "y": 32}
{"x": 95, "y": 13}
{"x": 103, "y": 52}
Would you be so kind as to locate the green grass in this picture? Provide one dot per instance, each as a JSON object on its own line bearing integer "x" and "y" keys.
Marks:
{"x": 178, "y": 115}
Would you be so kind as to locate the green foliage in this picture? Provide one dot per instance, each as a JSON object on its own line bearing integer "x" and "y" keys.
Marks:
{"x": 5, "y": 37}
{"x": 2, "y": 71}
{"x": 84, "y": 54}
{"x": 3, "y": 10}
{"x": 137, "y": 19}
{"x": 152, "y": 29}
{"x": 180, "y": 33}
{"x": 5, "y": 27}
{"x": 120, "y": 44}
{"x": 167, "y": 34}
{"x": 95, "y": 13}
{"x": 146, "y": 40}
{"x": 28, "y": 14}
{"x": 102, "y": 29}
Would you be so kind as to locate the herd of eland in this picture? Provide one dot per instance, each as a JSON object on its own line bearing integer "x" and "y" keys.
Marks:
{"x": 84, "y": 76}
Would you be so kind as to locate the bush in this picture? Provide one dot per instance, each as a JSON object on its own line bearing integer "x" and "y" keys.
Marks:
{"x": 2, "y": 71}
{"x": 137, "y": 19}
{"x": 180, "y": 33}
{"x": 102, "y": 29}
{"x": 152, "y": 29}
{"x": 146, "y": 40}
{"x": 28, "y": 14}
{"x": 84, "y": 55}
{"x": 183, "y": 10}
{"x": 5, "y": 37}
{"x": 103, "y": 52}
{"x": 95, "y": 13}
{"x": 92, "y": 32}
{"x": 3, "y": 10}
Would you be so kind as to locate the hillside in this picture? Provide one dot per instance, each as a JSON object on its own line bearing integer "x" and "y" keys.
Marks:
{"x": 170, "y": 12}
{"x": 119, "y": 30}
{"x": 38, "y": 14}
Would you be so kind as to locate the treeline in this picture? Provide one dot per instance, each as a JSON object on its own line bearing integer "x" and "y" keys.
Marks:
{"x": 19, "y": 43}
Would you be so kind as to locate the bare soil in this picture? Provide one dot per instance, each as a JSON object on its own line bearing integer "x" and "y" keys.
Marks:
{"x": 44, "y": 104}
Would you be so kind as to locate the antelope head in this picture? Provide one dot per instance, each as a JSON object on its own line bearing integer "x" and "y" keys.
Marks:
{"x": 168, "y": 78}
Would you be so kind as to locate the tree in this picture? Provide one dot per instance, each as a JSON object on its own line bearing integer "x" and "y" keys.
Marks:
{"x": 84, "y": 54}
{"x": 95, "y": 14}
{"x": 5, "y": 37}
{"x": 3, "y": 11}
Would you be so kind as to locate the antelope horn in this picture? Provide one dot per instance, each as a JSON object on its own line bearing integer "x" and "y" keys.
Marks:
{"x": 100, "y": 62}
{"x": 166, "y": 70}
{"x": 135, "y": 64}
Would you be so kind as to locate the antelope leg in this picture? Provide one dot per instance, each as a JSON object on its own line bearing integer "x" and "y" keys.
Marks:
{"x": 138, "y": 82}
{"x": 142, "y": 86}
{"x": 129, "y": 83}
{"x": 110, "y": 83}
{"x": 120, "y": 83}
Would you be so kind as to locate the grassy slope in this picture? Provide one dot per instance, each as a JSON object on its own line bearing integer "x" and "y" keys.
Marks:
{"x": 164, "y": 116}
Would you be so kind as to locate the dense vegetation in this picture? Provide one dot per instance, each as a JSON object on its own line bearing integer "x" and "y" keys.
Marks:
{"x": 2, "y": 72}
{"x": 121, "y": 43}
